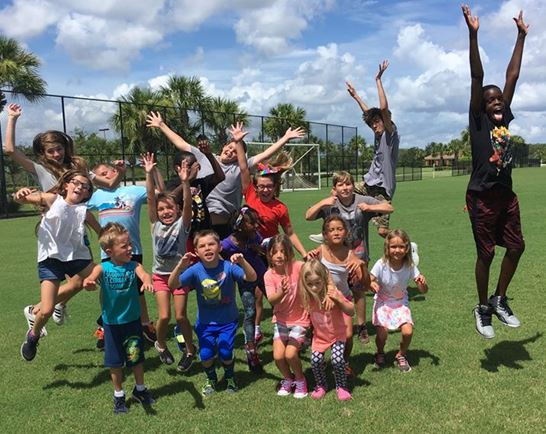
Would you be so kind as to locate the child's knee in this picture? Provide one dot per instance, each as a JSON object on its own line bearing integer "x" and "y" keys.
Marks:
{"x": 181, "y": 318}
{"x": 292, "y": 352}
{"x": 165, "y": 316}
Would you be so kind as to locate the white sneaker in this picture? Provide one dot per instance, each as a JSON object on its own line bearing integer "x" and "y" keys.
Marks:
{"x": 60, "y": 314}
{"x": 503, "y": 312}
{"x": 414, "y": 253}
{"x": 316, "y": 238}
{"x": 483, "y": 314}
{"x": 30, "y": 317}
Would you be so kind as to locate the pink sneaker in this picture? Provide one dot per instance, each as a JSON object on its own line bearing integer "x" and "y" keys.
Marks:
{"x": 319, "y": 392}
{"x": 285, "y": 388}
{"x": 343, "y": 394}
{"x": 301, "y": 389}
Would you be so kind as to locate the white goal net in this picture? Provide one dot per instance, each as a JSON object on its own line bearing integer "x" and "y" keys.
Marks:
{"x": 304, "y": 174}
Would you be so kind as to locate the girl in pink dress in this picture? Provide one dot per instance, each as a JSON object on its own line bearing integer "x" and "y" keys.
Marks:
{"x": 326, "y": 306}
{"x": 390, "y": 277}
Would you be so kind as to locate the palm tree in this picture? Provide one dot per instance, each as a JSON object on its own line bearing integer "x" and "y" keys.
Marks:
{"x": 185, "y": 94}
{"x": 220, "y": 113}
{"x": 282, "y": 117}
{"x": 19, "y": 72}
{"x": 130, "y": 121}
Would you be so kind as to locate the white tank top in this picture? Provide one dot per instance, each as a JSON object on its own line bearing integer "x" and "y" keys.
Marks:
{"x": 61, "y": 232}
{"x": 340, "y": 276}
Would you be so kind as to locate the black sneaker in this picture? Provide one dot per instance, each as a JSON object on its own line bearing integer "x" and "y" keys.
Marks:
{"x": 164, "y": 354}
{"x": 119, "y": 405}
{"x": 144, "y": 397}
{"x": 29, "y": 347}
{"x": 186, "y": 361}
{"x": 148, "y": 331}
{"x": 482, "y": 315}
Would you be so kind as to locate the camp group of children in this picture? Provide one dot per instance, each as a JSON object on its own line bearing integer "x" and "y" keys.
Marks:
{"x": 205, "y": 242}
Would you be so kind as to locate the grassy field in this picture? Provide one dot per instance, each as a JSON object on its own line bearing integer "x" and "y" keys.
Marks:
{"x": 459, "y": 382}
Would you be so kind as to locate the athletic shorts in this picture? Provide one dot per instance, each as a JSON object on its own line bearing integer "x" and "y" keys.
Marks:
{"x": 289, "y": 334}
{"x": 54, "y": 269}
{"x": 160, "y": 282}
{"x": 216, "y": 339}
{"x": 123, "y": 345}
{"x": 494, "y": 215}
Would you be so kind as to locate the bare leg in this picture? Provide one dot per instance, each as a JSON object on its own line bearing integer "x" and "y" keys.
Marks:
{"x": 508, "y": 268}
{"x": 48, "y": 292}
{"x": 349, "y": 341}
{"x": 144, "y": 316}
{"x": 66, "y": 292}
{"x": 482, "y": 278}
{"x": 278, "y": 354}
{"x": 163, "y": 299}
{"x": 380, "y": 338}
{"x": 360, "y": 306}
{"x": 292, "y": 355}
{"x": 407, "y": 333}
{"x": 181, "y": 316}
{"x": 138, "y": 372}
{"x": 116, "y": 374}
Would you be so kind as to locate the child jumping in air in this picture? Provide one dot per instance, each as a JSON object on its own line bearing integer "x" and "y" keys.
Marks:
{"x": 246, "y": 240}
{"x": 327, "y": 308}
{"x": 493, "y": 207}
{"x": 390, "y": 276}
{"x": 121, "y": 312}
{"x": 170, "y": 228}
{"x": 290, "y": 318}
{"x": 61, "y": 246}
{"x": 217, "y": 315}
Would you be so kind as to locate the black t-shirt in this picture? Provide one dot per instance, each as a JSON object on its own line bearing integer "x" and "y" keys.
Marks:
{"x": 200, "y": 189}
{"x": 486, "y": 172}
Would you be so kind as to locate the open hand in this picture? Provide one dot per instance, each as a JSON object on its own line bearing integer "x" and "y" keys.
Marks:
{"x": 148, "y": 161}
{"x": 294, "y": 133}
{"x": 382, "y": 68}
{"x": 22, "y": 193}
{"x": 473, "y": 23}
{"x": 351, "y": 89}
{"x": 14, "y": 110}
{"x": 237, "y": 132}
{"x": 154, "y": 120}
{"x": 522, "y": 27}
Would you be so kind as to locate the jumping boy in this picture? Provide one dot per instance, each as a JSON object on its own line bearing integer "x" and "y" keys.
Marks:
{"x": 217, "y": 316}
{"x": 492, "y": 205}
{"x": 357, "y": 210}
{"x": 121, "y": 312}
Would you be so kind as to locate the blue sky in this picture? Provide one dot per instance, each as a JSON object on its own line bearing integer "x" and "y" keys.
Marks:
{"x": 264, "y": 52}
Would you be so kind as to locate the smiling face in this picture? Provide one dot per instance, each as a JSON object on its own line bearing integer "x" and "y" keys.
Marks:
{"x": 54, "y": 152}
{"x": 228, "y": 154}
{"x": 344, "y": 190}
{"x": 494, "y": 104}
{"x": 167, "y": 210}
{"x": 265, "y": 188}
{"x": 208, "y": 249}
{"x": 121, "y": 251}
{"x": 106, "y": 171}
{"x": 77, "y": 190}
{"x": 397, "y": 250}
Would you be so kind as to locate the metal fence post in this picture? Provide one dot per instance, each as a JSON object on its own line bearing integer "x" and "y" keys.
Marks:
{"x": 122, "y": 139}
{"x": 3, "y": 189}
{"x": 64, "y": 114}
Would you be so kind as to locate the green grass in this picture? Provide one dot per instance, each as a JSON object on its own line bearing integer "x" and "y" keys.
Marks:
{"x": 459, "y": 382}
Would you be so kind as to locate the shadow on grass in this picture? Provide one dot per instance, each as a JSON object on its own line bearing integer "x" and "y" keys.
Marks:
{"x": 508, "y": 353}
{"x": 180, "y": 386}
{"x": 415, "y": 295}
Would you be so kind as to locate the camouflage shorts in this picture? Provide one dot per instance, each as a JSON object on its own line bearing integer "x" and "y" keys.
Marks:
{"x": 379, "y": 193}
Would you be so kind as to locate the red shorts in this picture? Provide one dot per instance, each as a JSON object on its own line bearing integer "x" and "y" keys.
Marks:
{"x": 160, "y": 282}
{"x": 495, "y": 219}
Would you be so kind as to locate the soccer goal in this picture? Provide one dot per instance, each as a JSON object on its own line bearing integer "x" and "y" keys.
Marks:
{"x": 304, "y": 174}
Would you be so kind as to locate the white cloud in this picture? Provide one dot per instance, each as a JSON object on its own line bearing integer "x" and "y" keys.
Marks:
{"x": 27, "y": 18}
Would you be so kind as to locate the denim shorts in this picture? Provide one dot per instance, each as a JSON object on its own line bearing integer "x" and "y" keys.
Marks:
{"x": 123, "y": 345}
{"x": 53, "y": 269}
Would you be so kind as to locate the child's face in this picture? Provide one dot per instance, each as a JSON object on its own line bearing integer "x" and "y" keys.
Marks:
{"x": 208, "y": 249}
{"x": 494, "y": 105}
{"x": 265, "y": 188}
{"x": 121, "y": 250}
{"x": 249, "y": 226}
{"x": 397, "y": 249}
{"x": 167, "y": 211}
{"x": 54, "y": 152}
{"x": 279, "y": 257}
{"x": 377, "y": 125}
{"x": 106, "y": 171}
{"x": 77, "y": 190}
{"x": 229, "y": 153}
{"x": 335, "y": 233}
{"x": 313, "y": 283}
{"x": 344, "y": 190}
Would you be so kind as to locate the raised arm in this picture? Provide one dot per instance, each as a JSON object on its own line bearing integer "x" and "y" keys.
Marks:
{"x": 512, "y": 72}
{"x": 271, "y": 150}
{"x": 33, "y": 197}
{"x": 250, "y": 273}
{"x": 103, "y": 182}
{"x": 476, "y": 68}
{"x": 184, "y": 263}
{"x": 356, "y": 97}
{"x": 187, "y": 211}
{"x": 238, "y": 134}
{"x": 154, "y": 120}
{"x": 313, "y": 211}
{"x": 217, "y": 171}
{"x": 149, "y": 168}
{"x": 383, "y": 104}
{"x": 382, "y": 208}
{"x": 14, "y": 111}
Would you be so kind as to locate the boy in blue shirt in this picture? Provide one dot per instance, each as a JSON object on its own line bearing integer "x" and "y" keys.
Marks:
{"x": 123, "y": 340}
{"x": 217, "y": 315}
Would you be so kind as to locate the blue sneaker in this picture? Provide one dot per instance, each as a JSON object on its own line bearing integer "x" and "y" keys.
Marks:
{"x": 119, "y": 405}
{"x": 144, "y": 397}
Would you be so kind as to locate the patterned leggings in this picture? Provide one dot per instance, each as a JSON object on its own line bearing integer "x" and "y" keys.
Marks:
{"x": 318, "y": 365}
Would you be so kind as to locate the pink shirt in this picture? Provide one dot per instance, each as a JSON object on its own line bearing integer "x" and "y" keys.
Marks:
{"x": 328, "y": 326}
{"x": 289, "y": 310}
